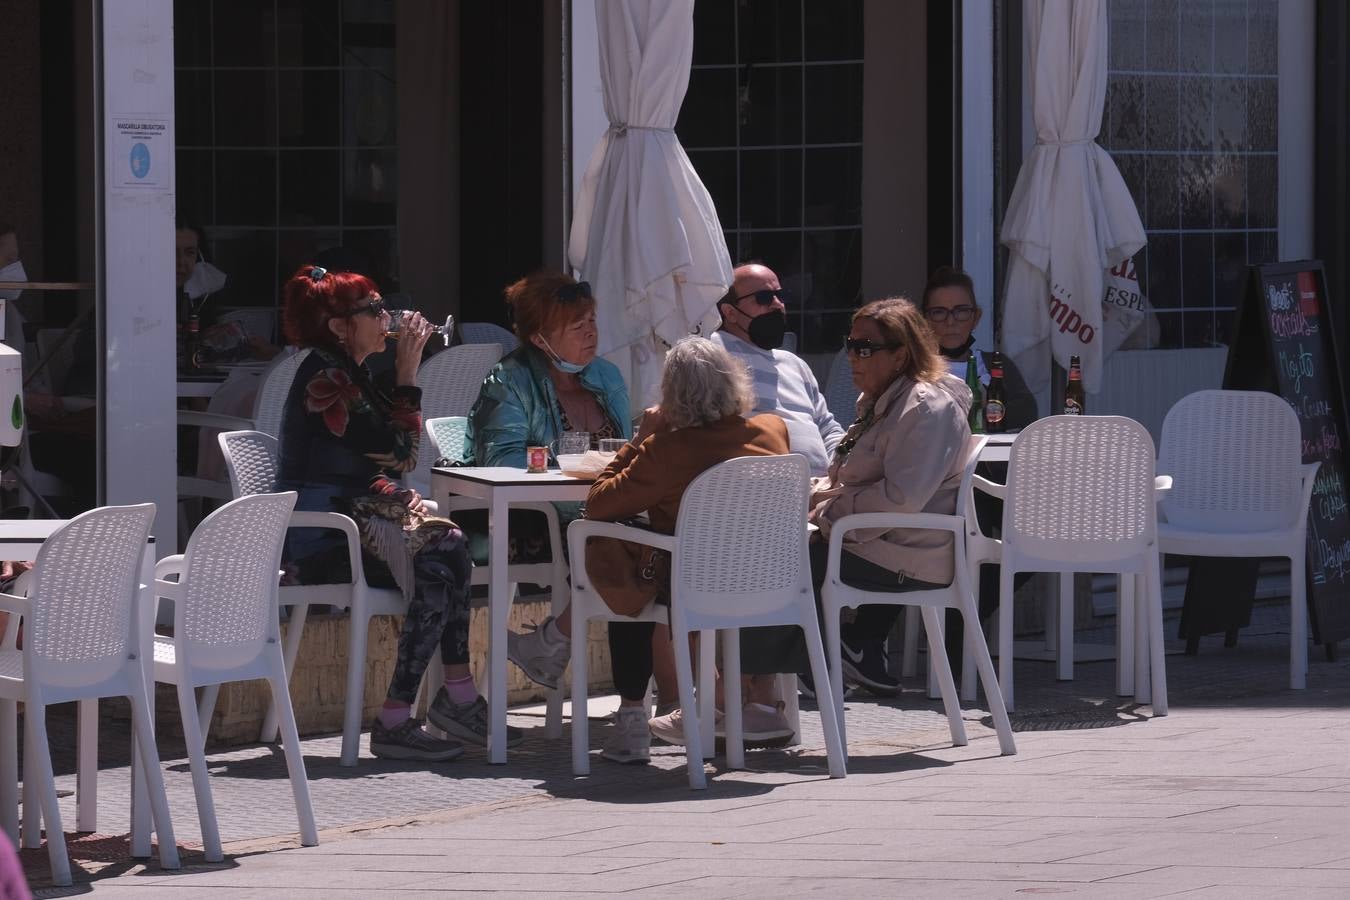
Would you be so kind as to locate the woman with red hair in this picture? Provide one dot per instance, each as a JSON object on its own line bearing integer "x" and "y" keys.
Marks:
{"x": 345, "y": 441}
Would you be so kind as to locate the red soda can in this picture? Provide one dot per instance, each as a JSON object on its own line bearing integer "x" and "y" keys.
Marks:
{"x": 536, "y": 459}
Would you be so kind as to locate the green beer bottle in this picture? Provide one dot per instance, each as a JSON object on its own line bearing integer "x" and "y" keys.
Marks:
{"x": 976, "y": 395}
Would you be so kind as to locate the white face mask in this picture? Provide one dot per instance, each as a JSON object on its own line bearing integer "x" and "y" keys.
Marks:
{"x": 12, "y": 272}
{"x": 205, "y": 279}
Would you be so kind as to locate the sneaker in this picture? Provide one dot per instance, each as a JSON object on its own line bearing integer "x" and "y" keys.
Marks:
{"x": 765, "y": 726}
{"x": 665, "y": 709}
{"x": 867, "y": 667}
{"x": 540, "y": 658}
{"x": 806, "y": 687}
{"x": 670, "y": 727}
{"x": 631, "y": 742}
{"x": 411, "y": 741}
{"x": 466, "y": 721}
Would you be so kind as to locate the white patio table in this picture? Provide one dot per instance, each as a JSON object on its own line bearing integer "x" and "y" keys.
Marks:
{"x": 500, "y": 487}
{"x": 21, "y": 539}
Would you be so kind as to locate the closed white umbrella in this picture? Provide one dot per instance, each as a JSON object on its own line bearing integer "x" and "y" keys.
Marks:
{"x": 645, "y": 233}
{"x": 1071, "y": 216}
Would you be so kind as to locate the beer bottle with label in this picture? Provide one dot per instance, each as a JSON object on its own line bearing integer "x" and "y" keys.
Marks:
{"x": 1073, "y": 391}
{"x": 976, "y": 395}
{"x": 994, "y": 410}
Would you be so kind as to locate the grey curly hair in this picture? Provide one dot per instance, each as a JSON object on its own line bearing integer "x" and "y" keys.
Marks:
{"x": 702, "y": 383}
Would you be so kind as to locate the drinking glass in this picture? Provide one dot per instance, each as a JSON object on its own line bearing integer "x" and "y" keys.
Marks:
{"x": 574, "y": 443}
{"x": 611, "y": 445}
{"x": 398, "y": 316}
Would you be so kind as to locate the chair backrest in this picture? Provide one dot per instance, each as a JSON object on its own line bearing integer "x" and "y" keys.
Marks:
{"x": 450, "y": 380}
{"x": 447, "y": 436}
{"x": 1234, "y": 458}
{"x": 275, "y": 391}
{"x": 81, "y": 628}
{"x": 257, "y": 321}
{"x": 841, "y": 395}
{"x": 450, "y": 383}
{"x": 230, "y": 582}
{"x": 965, "y": 496}
{"x": 251, "y": 460}
{"x": 487, "y": 333}
{"x": 1080, "y": 488}
{"x": 741, "y": 556}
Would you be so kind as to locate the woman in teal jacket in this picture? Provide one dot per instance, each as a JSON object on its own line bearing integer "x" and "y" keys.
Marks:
{"x": 552, "y": 384}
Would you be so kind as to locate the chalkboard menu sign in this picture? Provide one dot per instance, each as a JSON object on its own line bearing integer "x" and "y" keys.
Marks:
{"x": 1285, "y": 343}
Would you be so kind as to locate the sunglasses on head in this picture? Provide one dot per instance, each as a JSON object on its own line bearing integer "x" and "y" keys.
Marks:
{"x": 864, "y": 349}
{"x": 374, "y": 308}
{"x": 958, "y": 313}
{"x": 571, "y": 293}
{"x": 763, "y": 297}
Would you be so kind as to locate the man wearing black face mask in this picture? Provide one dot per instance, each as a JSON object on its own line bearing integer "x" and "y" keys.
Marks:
{"x": 754, "y": 321}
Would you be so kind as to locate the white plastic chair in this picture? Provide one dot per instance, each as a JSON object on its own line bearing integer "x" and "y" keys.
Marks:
{"x": 841, "y": 394}
{"x": 1081, "y": 498}
{"x": 1240, "y": 489}
{"x": 447, "y": 437}
{"x": 487, "y": 333}
{"x": 959, "y": 595}
{"x": 82, "y": 642}
{"x": 738, "y": 560}
{"x": 251, "y": 458}
{"x": 225, "y": 629}
{"x": 450, "y": 383}
{"x": 269, "y": 405}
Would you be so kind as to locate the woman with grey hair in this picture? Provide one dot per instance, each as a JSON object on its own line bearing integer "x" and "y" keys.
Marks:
{"x": 699, "y": 423}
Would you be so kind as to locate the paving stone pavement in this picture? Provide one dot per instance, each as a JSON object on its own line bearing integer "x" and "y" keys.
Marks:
{"x": 1244, "y": 790}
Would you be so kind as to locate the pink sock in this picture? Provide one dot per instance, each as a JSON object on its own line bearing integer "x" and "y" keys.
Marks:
{"x": 461, "y": 690}
{"x": 394, "y": 713}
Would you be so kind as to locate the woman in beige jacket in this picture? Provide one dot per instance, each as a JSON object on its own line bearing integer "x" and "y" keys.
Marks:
{"x": 904, "y": 454}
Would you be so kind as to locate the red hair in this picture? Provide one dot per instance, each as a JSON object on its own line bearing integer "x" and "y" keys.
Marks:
{"x": 310, "y": 303}
{"x": 535, "y": 306}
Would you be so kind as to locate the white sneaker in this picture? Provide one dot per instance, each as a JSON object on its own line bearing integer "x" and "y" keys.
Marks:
{"x": 670, "y": 727}
{"x": 539, "y": 656}
{"x": 631, "y": 742}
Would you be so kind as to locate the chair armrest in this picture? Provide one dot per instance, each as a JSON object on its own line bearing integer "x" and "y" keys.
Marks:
{"x": 214, "y": 420}
{"x": 582, "y": 529}
{"x": 1309, "y": 474}
{"x": 887, "y": 521}
{"x": 1162, "y": 484}
{"x": 19, "y": 606}
{"x": 169, "y": 590}
{"x": 336, "y": 522}
{"x": 992, "y": 488}
{"x": 170, "y": 565}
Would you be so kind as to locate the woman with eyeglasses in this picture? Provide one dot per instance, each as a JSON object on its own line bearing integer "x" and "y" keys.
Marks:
{"x": 904, "y": 454}
{"x": 551, "y": 384}
{"x": 950, "y": 308}
{"x": 345, "y": 440}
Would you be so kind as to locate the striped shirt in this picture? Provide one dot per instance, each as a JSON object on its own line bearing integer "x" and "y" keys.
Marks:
{"x": 785, "y": 386}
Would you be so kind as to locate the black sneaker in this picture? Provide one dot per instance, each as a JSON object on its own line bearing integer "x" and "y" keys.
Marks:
{"x": 867, "y": 667}
{"x": 806, "y": 686}
{"x": 411, "y": 741}
{"x": 466, "y": 721}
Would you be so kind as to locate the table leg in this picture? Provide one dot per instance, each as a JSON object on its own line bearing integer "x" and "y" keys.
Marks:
{"x": 140, "y": 795}
{"x": 499, "y": 608}
{"x": 86, "y": 769}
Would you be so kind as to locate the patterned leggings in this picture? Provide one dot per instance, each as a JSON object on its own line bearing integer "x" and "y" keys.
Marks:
{"x": 438, "y": 614}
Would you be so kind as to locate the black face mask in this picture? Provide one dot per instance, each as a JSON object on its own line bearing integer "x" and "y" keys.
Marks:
{"x": 957, "y": 352}
{"x": 766, "y": 331}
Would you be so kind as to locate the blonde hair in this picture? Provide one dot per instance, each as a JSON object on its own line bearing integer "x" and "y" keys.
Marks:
{"x": 903, "y": 324}
{"x": 702, "y": 383}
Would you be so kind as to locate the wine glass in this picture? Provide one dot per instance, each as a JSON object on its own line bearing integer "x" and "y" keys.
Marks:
{"x": 398, "y": 316}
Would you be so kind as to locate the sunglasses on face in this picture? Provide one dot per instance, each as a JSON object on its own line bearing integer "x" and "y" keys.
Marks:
{"x": 957, "y": 313}
{"x": 763, "y": 298}
{"x": 864, "y": 349}
{"x": 571, "y": 293}
{"x": 374, "y": 309}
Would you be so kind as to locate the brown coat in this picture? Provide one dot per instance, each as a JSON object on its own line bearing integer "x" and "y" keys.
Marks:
{"x": 652, "y": 477}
